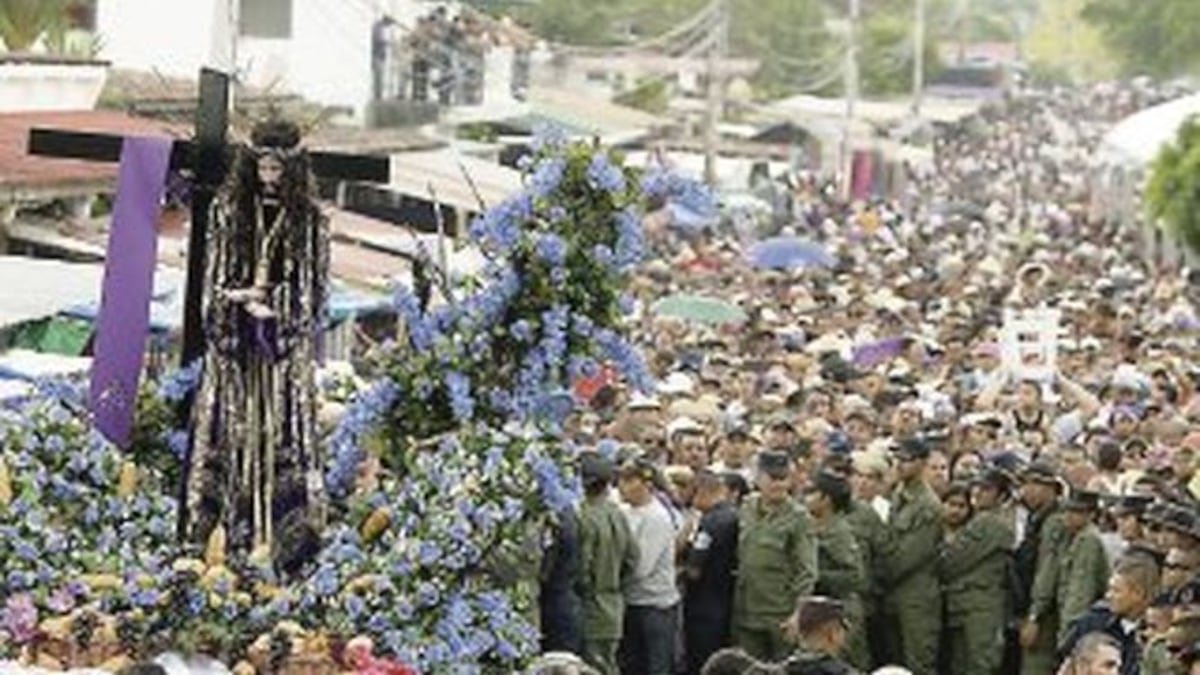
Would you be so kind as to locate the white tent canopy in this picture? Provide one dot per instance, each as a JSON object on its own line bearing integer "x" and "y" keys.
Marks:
{"x": 38, "y": 288}
{"x": 1137, "y": 139}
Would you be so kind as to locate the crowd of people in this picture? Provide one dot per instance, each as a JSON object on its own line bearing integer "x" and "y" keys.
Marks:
{"x": 860, "y": 477}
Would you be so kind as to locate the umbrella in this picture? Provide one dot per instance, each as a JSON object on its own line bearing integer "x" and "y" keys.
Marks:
{"x": 698, "y": 308}
{"x": 789, "y": 253}
{"x": 874, "y": 353}
{"x": 690, "y": 220}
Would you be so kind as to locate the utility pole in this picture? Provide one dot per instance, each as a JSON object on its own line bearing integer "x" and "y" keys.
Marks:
{"x": 717, "y": 52}
{"x": 850, "y": 89}
{"x": 918, "y": 77}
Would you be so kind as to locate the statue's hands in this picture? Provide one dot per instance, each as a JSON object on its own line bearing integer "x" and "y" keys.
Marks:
{"x": 243, "y": 296}
{"x": 253, "y": 299}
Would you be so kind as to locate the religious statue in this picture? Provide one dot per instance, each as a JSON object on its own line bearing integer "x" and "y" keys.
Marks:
{"x": 255, "y": 479}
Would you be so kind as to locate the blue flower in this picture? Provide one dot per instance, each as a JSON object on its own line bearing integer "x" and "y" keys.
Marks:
{"x": 551, "y": 248}
{"x": 458, "y": 386}
{"x": 195, "y": 602}
{"x": 521, "y": 330}
{"x": 548, "y": 136}
{"x": 325, "y": 581}
{"x": 355, "y": 606}
{"x": 603, "y": 175}
{"x": 547, "y": 176}
{"x": 631, "y": 247}
{"x": 428, "y": 553}
{"x": 378, "y": 623}
{"x": 175, "y": 386}
{"x": 177, "y": 441}
{"x": 427, "y": 594}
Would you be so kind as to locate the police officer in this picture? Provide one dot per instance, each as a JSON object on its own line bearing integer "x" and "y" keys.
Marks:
{"x": 1083, "y": 565}
{"x": 607, "y": 559}
{"x": 709, "y": 560}
{"x": 777, "y": 560}
{"x": 1036, "y": 564}
{"x": 840, "y": 574}
{"x": 912, "y": 604}
{"x": 974, "y": 571}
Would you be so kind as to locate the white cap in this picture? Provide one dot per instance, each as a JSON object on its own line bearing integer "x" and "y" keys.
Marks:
{"x": 685, "y": 425}
{"x": 640, "y": 401}
{"x": 676, "y": 383}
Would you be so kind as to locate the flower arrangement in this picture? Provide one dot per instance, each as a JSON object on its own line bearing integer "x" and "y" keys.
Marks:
{"x": 432, "y": 557}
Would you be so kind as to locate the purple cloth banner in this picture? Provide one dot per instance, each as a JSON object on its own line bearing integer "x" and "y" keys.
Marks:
{"x": 861, "y": 171}
{"x": 124, "y": 318}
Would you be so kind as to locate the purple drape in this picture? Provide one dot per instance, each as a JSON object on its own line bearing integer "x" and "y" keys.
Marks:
{"x": 124, "y": 317}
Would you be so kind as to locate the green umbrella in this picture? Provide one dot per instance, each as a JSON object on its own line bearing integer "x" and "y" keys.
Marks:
{"x": 698, "y": 308}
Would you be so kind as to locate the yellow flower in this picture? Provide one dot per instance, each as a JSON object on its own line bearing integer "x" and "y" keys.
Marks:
{"x": 6, "y": 493}
{"x": 128, "y": 480}
{"x": 58, "y": 628}
{"x": 362, "y": 583}
{"x": 101, "y": 582}
{"x": 214, "y": 552}
{"x": 188, "y": 565}
{"x": 267, "y": 591}
{"x": 375, "y": 524}
{"x": 215, "y": 575}
{"x": 116, "y": 664}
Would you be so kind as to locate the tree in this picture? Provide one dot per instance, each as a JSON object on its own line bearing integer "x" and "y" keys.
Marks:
{"x": 23, "y": 22}
{"x": 1173, "y": 192}
{"x": 1159, "y": 38}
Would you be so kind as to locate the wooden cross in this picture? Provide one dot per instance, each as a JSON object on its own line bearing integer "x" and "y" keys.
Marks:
{"x": 206, "y": 157}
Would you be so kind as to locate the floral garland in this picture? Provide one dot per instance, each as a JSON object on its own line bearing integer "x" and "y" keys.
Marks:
{"x": 432, "y": 559}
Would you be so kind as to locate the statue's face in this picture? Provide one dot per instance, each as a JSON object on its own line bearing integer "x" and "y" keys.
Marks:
{"x": 270, "y": 172}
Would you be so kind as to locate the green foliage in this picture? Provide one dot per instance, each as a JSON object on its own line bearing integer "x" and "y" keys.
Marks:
{"x": 22, "y": 22}
{"x": 886, "y": 62}
{"x": 1173, "y": 192}
{"x": 650, "y": 95}
{"x": 1158, "y": 38}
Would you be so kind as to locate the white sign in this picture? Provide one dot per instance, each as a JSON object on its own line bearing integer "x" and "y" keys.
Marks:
{"x": 1029, "y": 343}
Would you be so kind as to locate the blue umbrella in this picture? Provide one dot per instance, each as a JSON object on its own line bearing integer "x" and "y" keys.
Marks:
{"x": 690, "y": 220}
{"x": 785, "y": 253}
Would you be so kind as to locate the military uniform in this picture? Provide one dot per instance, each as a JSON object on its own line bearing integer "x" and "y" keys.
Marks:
{"x": 871, "y": 535}
{"x": 608, "y": 556}
{"x": 806, "y": 662}
{"x": 912, "y": 605}
{"x": 1082, "y": 577}
{"x": 1036, "y": 582}
{"x": 840, "y": 575}
{"x": 777, "y": 563}
{"x": 974, "y": 570}
{"x": 710, "y": 559}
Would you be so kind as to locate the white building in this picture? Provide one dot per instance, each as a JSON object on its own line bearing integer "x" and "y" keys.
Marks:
{"x": 319, "y": 49}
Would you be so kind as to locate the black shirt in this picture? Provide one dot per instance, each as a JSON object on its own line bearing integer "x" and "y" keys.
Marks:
{"x": 713, "y": 552}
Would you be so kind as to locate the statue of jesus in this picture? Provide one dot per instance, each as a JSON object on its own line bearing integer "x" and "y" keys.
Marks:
{"x": 255, "y": 479}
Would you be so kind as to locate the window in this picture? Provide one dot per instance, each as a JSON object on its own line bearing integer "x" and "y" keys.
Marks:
{"x": 265, "y": 18}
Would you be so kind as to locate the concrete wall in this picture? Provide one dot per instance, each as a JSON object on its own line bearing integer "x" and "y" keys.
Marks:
{"x": 327, "y": 59}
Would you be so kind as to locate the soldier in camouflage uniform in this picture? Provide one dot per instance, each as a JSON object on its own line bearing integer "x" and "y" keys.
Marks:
{"x": 912, "y": 604}
{"x": 974, "y": 572}
{"x": 1037, "y": 569}
{"x": 1082, "y": 564}
{"x": 608, "y": 556}
{"x": 871, "y": 534}
{"x": 840, "y": 573}
{"x": 777, "y": 561}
